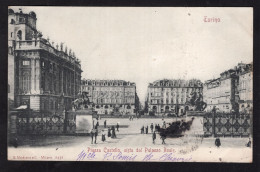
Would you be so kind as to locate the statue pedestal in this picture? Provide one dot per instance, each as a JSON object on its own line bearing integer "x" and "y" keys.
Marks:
{"x": 83, "y": 120}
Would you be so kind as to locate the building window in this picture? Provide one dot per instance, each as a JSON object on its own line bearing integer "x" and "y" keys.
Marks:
{"x": 21, "y": 20}
{"x": 12, "y": 21}
{"x": 26, "y": 62}
{"x": 19, "y": 35}
{"x": 26, "y": 82}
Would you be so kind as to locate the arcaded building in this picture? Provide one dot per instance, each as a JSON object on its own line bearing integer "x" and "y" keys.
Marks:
{"x": 171, "y": 96}
{"x": 111, "y": 96}
{"x": 46, "y": 76}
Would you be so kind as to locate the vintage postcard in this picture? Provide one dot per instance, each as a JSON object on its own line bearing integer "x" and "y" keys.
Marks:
{"x": 151, "y": 84}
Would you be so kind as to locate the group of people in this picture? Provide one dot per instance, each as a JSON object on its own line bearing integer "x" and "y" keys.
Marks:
{"x": 154, "y": 128}
{"x": 131, "y": 118}
{"x": 111, "y": 132}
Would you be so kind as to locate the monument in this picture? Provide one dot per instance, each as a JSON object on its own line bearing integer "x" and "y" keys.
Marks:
{"x": 83, "y": 111}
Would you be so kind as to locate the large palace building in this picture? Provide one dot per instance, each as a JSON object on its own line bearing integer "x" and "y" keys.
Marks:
{"x": 111, "y": 96}
{"x": 232, "y": 91}
{"x": 165, "y": 96}
{"x": 42, "y": 76}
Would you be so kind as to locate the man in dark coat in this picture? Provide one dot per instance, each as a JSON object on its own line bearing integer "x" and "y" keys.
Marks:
{"x": 146, "y": 130}
{"x": 92, "y": 133}
{"x": 154, "y": 137}
{"x": 248, "y": 143}
{"x": 96, "y": 133}
{"x": 142, "y": 130}
{"x": 105, "y": 123}
{"x": 151, "y": 127}
{"x": 217, "y": 142}
{"x": 159, "y": 128}
{"x": 113, "y": 132}
{"x": 117, "y": 127}
{"x": 163, "y": 137}
{"x": 109, "y": 132}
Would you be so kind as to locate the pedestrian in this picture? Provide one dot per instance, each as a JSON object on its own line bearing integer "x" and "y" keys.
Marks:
{"x": 103, "y": 136}
{"x": 146, "y": 130}
{"x": 117, "y": 127}
{"x": 164, "y": 125}
{"x": 163, "y": 137}
{"x": 151, "y": 127}
{"x": 129, "y": 118}
{"x": 159, "y": 128}
{"x": 97, "y": 123}
{"x": 217, "y": 142}
{"x": 248, "y": 143}
{"x": 105, "y": 123}
{"x": 142, "y": 130}
{"x": 154, "y": 137}
{"x": 96, "y": 134}
{"x": 109, "y": 132}
{"x": 92, "y": 133}
{"x": 113, "y": 132}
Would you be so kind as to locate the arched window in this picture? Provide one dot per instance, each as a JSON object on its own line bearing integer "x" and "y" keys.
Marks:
{"x": 19, "y": 35}
{"x": 12, "y": 21}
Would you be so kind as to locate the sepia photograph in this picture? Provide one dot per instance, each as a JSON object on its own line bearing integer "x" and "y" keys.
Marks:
{"x": 150, "y": 84}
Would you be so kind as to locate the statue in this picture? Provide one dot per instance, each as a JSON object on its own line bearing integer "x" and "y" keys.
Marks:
{"x": 196, "y": 100}
{"x": 82, "y": 100}
{"x": 61, "y": 46}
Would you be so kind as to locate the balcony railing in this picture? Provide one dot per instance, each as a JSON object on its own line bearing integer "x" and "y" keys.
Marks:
{"x": 39, "y": 44}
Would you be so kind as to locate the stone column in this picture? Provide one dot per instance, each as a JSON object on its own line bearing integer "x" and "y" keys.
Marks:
{"x": 32, "y": 76}
{"x": 61, "y": 79}
{"x": 37, "y": 75}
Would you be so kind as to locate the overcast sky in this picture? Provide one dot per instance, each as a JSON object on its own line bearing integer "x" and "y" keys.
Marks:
{"x": 142, "y": 45}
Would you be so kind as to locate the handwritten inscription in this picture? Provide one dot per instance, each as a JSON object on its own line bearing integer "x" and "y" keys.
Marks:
{"x": 83, "y": 155}
{"x": 119, "y": 156}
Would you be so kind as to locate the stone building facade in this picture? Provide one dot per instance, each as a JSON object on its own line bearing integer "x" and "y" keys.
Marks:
{"x": 111, "y": 96}
{"x": 171, "y": 96}
{"x": 245, "y": 87}
{"x": 46, "y": 77}
{"x": 232, "y": 91}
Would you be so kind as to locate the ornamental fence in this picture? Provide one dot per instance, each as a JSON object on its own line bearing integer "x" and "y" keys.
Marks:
{"x": 41, "y": 124}
{"x": 227, "y": 125}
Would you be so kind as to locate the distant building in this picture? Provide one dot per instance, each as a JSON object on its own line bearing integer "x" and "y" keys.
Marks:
{"x": 232, "y": 91}
{"x": 41, "y": 75}
{"x": 165, "y": 96}
{"x": 111, "y": 96}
